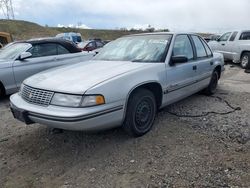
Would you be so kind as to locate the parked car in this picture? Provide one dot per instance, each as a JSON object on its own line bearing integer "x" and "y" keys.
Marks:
{"x": 235, "y": 46}
{"x": 124, "y": 85}
{"x": 212, "y": 38}
{"x": 71, "y": 36}
{"x": 90, "y": 45}
{"x": 5, "y": 38}
{"x": 20, "y": 60}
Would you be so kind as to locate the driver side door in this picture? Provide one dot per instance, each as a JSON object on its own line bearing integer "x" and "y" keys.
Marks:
{"x": 181, "y": 77}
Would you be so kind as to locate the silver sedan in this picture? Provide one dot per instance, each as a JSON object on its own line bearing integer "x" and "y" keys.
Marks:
{"x": 124, "y": 85}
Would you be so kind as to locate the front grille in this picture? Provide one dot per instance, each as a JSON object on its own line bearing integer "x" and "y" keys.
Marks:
{"x": 36, "y": 96}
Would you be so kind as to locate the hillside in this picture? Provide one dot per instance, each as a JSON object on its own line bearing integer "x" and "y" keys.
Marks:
{"x": 22, "y": 30}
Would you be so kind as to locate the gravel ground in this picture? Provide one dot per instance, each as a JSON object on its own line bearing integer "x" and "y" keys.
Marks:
{"x": 208, "y": 151}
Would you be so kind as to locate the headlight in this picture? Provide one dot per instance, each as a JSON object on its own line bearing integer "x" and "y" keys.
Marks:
{"x": 66, "y": 100}
{"x": 76, "y": 100}
{"x": 92, "y": 100}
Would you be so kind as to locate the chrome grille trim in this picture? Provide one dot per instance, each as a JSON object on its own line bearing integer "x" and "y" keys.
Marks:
{"x": 36, "y": 96}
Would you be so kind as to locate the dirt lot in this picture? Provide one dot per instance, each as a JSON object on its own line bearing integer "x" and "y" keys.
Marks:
{"x": 208, "y": 151}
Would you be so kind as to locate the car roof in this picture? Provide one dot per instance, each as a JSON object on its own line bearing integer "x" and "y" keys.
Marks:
{"x": 164, "y": 33}
{"x": 65, "y": 43}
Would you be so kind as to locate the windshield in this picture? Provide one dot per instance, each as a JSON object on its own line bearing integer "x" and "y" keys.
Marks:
{"x": 13, "y": 50}
{"x": 145, "y": 48}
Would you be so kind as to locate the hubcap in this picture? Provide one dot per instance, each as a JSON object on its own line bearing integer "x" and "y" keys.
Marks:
{"x": 143, "y": 115}
{"x": 244, "y": 61}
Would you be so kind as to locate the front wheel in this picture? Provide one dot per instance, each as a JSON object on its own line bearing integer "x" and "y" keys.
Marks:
{"x": 141, "y": 111}
{"x": 245, "y": 60}
{"x": 211, "y": 88}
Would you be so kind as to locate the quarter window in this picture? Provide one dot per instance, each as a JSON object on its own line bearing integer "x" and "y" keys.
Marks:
{"x": 209, "y": 52}
{"x": 182, "y": 46}
{"x": 200, "y": 50}
{"x": 62, "y": 50}
{"x": 245, "y": 36}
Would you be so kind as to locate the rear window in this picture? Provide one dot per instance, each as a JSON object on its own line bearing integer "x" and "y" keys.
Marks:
{"x": 245, "y": 36}
{"x": 209, "y": 52}
{"x": 200, "y": 49}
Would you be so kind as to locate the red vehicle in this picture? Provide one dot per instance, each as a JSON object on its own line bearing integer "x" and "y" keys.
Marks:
{"x": 90, "y": 45}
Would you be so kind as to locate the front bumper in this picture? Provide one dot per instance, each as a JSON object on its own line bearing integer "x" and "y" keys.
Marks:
{"x": 84, "y": 119}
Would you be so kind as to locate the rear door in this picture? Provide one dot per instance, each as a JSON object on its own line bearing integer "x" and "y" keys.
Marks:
{"x": 42, "y": 56}
{"x": 181, "y": 77}
{"x": 205, "y": 62}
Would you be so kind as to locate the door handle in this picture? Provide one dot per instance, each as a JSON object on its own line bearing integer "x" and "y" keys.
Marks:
{"x": 194, "y": 67}
{"x": 211, "y": 63}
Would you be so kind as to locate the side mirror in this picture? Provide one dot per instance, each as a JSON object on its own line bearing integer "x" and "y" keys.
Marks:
{"x": 178, "y": 59}
{"x": 25, "y": 55}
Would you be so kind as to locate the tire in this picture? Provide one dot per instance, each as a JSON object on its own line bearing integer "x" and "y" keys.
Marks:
{"x": 245, "y": 60}
{"x": 211, "y": 88}
{"x": 2, "y": 90}
{"x": 140, "y": 114}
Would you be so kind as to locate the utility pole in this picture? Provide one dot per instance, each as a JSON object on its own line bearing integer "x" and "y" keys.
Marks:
{"x": 7, "y": 9}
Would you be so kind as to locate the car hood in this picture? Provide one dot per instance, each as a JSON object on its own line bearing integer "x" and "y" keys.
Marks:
{"x": 80, "y": 77}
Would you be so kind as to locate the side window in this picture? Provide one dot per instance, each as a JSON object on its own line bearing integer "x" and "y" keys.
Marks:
{"x": 61, "y": 50}
{"x": 225, "y": 36}
{"x": 40, "y": 50}
{"x": 99, "y": 44}
{"x": 91, "y": 45}
{"x": 208, "y": 50}
{"x": 245, "y": 36}
{"x": 182, "y": 46}
{"x": 200, "y": 50}
{"x": 232, "y": 38}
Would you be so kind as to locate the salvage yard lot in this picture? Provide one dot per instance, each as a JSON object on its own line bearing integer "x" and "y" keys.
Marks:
{"x": 212, "y": 150}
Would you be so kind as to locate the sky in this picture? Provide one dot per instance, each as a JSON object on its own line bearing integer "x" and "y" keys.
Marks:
{"x": 177, "y": 15}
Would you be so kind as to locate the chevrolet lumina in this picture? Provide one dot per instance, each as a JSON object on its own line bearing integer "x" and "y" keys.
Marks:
{"x": 124, "y": 85}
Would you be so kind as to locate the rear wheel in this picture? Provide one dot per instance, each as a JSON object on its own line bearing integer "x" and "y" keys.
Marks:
{"x": 141, "y": 111}
{"x": 211, "y": 89}
{"x": 245, "y": 60}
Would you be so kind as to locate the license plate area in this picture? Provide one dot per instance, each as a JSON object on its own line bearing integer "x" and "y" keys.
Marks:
{"x": 21, "y": 116}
